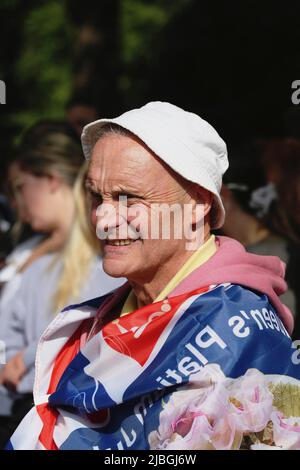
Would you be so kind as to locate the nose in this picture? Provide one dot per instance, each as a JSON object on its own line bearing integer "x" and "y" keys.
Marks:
{"x": 111, "y": 221}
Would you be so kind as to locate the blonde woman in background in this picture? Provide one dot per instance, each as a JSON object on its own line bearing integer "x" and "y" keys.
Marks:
{"x": 71, "y": 272}
{"x": 50, "y": 155}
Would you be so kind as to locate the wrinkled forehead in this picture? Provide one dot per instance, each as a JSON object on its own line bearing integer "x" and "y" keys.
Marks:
{"x": 121, "y": 158}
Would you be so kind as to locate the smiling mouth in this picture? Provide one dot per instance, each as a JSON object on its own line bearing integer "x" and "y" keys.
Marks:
{"x": 120, "y": 242}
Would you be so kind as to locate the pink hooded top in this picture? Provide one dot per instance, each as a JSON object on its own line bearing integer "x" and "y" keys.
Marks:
{"x": 231, "y": 263}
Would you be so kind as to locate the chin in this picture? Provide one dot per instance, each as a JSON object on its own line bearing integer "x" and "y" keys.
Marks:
{"x": 112, "y": 270}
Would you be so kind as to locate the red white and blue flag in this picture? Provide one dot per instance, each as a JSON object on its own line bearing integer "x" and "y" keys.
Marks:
{"x": 107, "y": 390}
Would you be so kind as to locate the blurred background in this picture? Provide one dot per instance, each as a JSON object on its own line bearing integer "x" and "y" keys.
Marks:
{"x": 231, "y": 62}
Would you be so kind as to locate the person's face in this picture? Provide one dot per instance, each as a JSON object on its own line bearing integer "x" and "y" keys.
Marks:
{"x": 33, "y": 198}
{"x": 124, "y": 166}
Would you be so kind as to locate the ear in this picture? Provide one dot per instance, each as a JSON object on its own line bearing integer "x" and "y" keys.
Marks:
{"x": 203, "y": 198}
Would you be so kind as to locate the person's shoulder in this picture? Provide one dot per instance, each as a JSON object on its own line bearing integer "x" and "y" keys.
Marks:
{"x": 24, "y": 247}
{"x": 41, "y": 265}
{"x": 239, "y": 328}
{"x": 16, "y": 258}
{"x": 242, "y": 309}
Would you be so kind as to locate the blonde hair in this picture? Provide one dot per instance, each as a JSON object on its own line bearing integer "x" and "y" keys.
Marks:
{"x": 51, "y": 148}
{"x": 79, "y": 251}
{"x": 57, "y": 153}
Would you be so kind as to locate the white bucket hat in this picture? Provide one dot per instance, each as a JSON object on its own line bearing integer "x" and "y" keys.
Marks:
{"x": 185, "y": 142}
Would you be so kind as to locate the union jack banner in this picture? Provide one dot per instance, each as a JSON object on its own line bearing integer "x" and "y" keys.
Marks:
{"x": 117, "y": 387}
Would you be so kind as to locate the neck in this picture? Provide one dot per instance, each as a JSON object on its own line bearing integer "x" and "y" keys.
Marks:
{"x": 147, "y": 292}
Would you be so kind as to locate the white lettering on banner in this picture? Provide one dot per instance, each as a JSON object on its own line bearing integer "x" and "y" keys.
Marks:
{"x": 197, "y": 353}
{"x": 206, "y": 338}
{"x": 238, "y": 325}
{"x": 127, "y": 441}
{"x": 141, "y": 408}
{"x": 187, "y": 367}
{"x": 212, "y": 338}
{"x": 264, "y": 319}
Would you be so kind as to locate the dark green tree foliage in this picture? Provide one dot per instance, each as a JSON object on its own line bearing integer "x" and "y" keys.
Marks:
{"x": 231, "y": 62}
{"x": 96, "y": 52}
{"x": 35, "y": 63}
{"x": 11, "y": 15}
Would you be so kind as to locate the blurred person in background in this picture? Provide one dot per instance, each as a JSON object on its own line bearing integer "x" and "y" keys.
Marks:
{"x": 248, "y": 198}
{"x": 281, "y": 160}
{"x": 65, "y": 267}
{"x": 46, "y": 164}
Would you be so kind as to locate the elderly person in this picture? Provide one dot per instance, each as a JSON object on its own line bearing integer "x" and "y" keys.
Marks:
{"x": 177, "y": 357}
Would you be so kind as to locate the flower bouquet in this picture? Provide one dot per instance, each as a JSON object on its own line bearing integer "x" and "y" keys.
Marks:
{"x": 212, "y": 412}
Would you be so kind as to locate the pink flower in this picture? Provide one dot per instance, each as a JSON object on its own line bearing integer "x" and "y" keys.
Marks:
{"x": 251, "y": 400}
{"x": 215, "y": 412}
{"x": 198, "y": 416}
{"x": 286, "y": 431}
{"x": 197, "y": 438}
{"x": 177, "y": 415}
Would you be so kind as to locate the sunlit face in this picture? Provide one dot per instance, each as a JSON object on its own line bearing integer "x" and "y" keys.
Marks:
{"x": 33, "y": 198}
{"x": 124, "y": 166}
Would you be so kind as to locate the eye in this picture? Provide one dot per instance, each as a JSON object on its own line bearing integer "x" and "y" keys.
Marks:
{"x": 95, "y": 198}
